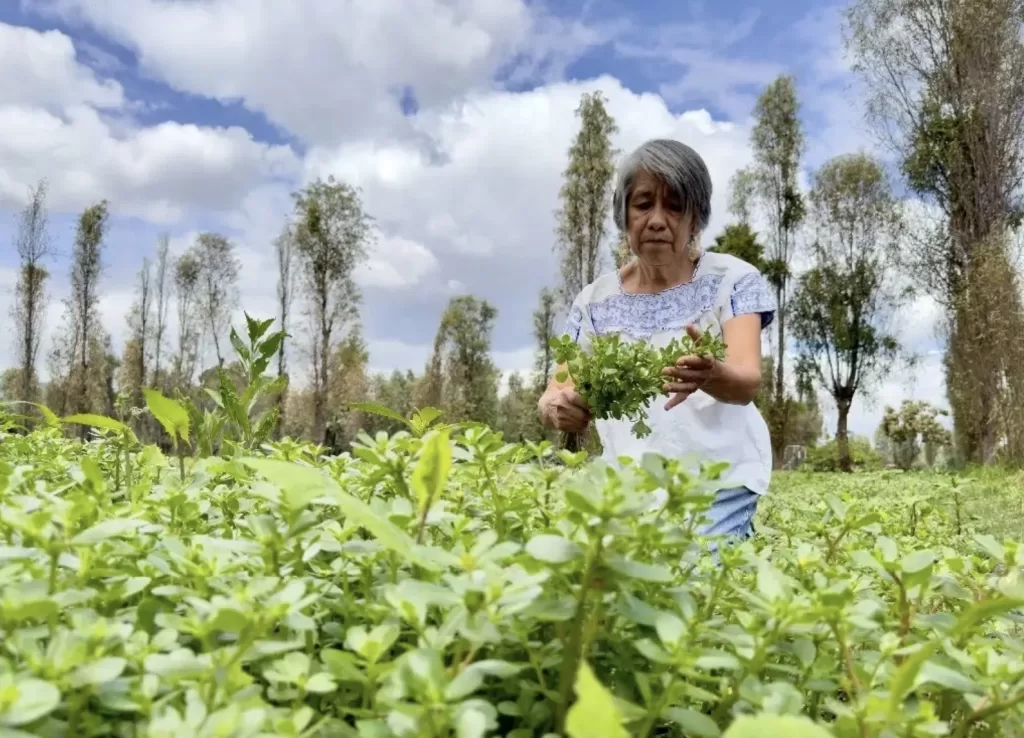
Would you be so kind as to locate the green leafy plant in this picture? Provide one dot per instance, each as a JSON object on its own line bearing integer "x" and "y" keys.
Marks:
{"x": 451, "y": 584}
{"x": 174, "y": 419}
{"x": 242, "y": 427}
{"x": 443, "y": 583}
{"x": 618, "y": 378}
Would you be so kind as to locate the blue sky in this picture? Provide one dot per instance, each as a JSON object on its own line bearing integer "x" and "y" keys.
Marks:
{"x": 452, "y": 117}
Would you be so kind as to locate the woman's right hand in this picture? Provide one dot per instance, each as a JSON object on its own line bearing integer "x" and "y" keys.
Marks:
{"x": 564, "y": 409}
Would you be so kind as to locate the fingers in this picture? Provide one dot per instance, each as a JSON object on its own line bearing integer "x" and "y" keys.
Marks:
{"x": 676, "y": 399}
{"x": 687, "y": 387}
{"x": 693, "y": 331}
{"x": 696, "y": 362}
{"x": 570, "y": 413}
{"x": 576, "y": 400}
{"x": 687, "y": 375}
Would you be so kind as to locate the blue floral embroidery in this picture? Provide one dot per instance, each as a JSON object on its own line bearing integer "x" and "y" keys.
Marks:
{"x": 641, "y": 316}
{"x": 574, "y": 323}
{"x": 753, "y": 294}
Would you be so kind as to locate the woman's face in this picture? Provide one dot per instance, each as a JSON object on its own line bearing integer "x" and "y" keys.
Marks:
{"x": 659, "y": 232}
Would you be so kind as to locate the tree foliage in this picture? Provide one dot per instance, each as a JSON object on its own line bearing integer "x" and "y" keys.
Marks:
{"x": 915, "y": 425}
{"x": 34, "y": 246}
{"x": 846, "y": 299}
{"x": 740, "y": 240}
{"x": 544, "y": 318}
{"x": 461, "y": 377}
{"x": 332, "y": 236}
{"x": 946, "y": 85}
{"x": 186, "y": 288}
{"x": 79, "y": 356}
{"x": 778, "y": 144}
{"x": 585, "y": 196}
{"x": 218, "y": 293}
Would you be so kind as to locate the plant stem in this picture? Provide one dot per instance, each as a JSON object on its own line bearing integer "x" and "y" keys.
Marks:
{"x": 653, "y": 715}
{"x": 571, "y": 657}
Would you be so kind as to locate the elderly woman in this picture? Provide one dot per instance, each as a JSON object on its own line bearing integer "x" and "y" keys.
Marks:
{"x": 662, "y": 202}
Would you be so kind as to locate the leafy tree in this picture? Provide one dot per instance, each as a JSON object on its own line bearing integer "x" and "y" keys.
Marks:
{"x": 742, "y": 194}
{"x": 332, "y": 234}
{"x": 349, "y": 383}
{"x": 461, "y": 378}
{"x": 517, "y": 411}
{"x": 778, "y": 143}
{"x": 543, "y": 331}
{"x": 34, "y": 247}
{"x": 395, "y": 392}
{"x": 740, "y": 240}
{"x": 586, "y": 196}
{"x": 946, "y": 85}
{"x": 80, "y": 355}
{"x": 186, "y": 286}
{"x": 138, "y": 345}
{"x": 846, "y": 297}
{"x": 828, "y": 458}
{"x": 771, "y": 184}
{"x": 218, "y": 280}
{"x": 915, "y": 423}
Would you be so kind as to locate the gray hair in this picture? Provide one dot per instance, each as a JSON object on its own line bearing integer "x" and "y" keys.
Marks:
{"x": 679, "y": 166}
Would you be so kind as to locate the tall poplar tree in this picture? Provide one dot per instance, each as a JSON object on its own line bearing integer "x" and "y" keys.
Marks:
{"x": 33, "y": 245}
{"x": 586, "y": 196}
{"x": 946, "y": 95}
{"x": 332, "y": 235}
{"x": 771, "y": 183}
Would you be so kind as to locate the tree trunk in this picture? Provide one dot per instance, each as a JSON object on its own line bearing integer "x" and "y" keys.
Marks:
{"x": 320, "y": 391}
{"x": 28, "y": 369}
{"x": 842, "y": 435}
{"x": 780, "y": 366}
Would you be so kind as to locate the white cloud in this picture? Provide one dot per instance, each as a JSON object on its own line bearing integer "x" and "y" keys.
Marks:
{"x": 53, "y": 125}
{"x": 396, "y": 263}
{"x": 160, "y": 173}
{"x": 40, "y": 69}
{"x": 492, "y": 188}
{"x": 329, "y": 70}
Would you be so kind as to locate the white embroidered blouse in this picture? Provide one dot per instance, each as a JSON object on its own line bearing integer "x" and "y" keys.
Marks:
{"x": 700, "y": 429}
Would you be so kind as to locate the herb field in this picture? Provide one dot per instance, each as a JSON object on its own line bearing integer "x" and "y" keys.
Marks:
{"x": 441, "y": 582}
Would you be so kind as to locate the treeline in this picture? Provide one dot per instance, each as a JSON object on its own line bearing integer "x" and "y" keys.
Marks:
{"x": 948, "y": 101}
{"x": 179, "y": 327}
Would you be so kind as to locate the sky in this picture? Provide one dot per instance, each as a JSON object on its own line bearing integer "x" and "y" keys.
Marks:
{"x": 452, "y": 117}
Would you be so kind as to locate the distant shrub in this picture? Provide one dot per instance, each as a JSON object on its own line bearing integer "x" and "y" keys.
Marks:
{"x": 825, "y": 458}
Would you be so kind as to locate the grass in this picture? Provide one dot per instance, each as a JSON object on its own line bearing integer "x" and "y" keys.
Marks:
{"x": 990, "y": 501}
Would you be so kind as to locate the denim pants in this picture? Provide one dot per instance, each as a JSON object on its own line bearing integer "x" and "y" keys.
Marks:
{"x": 731, "y": 514}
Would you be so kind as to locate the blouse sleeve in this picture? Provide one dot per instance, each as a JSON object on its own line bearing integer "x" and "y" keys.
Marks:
{"x": 577, "y": 324}
{"x": 750, "y": 293}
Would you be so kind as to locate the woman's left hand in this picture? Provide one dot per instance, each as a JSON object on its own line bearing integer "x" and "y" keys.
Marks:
{"x": 689, "y": 374}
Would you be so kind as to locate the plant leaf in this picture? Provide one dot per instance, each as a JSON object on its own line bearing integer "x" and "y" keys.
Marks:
{"x": 431, "y": 471}
{"x": 553, "y": 549}
{"x": 763, "y": 726}
{"x": 291, "y": 476}
{"x": 692, "y": 722}
{"x": 595, "y": 713}
{"x": 169, "y": 413}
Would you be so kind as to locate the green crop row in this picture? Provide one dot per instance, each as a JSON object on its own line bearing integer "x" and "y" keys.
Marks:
{"x": 441, "y": 582}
